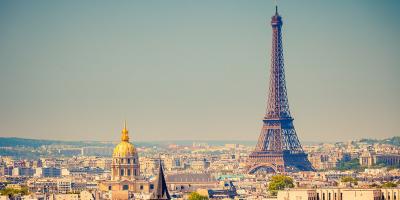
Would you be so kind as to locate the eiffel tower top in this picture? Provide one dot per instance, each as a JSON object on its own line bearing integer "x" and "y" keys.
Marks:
{"x": 276, "y": 19}
{"x": 278, "y": 105}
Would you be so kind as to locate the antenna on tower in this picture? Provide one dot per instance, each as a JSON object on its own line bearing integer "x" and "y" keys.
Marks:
{"x": 276, "y": 7}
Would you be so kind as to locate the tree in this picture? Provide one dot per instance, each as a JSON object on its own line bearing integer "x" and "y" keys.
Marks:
{"x": 389, "y": 185}
{"x": 348, "y": 179}
{"x": 9, "y": 192}
{"x": 349, "y": 165}
{"x": 24, "y": 190}
{"x": 197, "y": 196}
{"x": 13, "y": 192}
{"x": 279, "y": 182}
{"x": 374, "y": 185}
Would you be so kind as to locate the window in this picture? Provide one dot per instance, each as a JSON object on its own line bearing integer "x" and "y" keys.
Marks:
{"x": 125, "y": 187}
{"x": 129, "y": 172}
{"x": 141, "y": 187}
{"x": 151, "y": 186}
{"x": 109, "y": 187}
{"x": 122, "y": 172}
{"x": 129, "y": 161}
{"x": 329, "y": 196}
{"x": 323, "y": 196}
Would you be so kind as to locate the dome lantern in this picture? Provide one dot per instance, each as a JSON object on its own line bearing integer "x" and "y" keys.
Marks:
{"x": 125, "y": 135}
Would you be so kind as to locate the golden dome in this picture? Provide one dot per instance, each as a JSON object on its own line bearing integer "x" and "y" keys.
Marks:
{"x": 124, "y": 148}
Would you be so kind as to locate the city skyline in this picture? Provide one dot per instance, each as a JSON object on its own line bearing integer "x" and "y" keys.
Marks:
{"x": 196, "y": 70}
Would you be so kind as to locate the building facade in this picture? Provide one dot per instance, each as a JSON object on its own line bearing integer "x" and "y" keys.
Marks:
{"x": 339, "y": 194}
{"x": 126, "y": 178}
{"x": 125, "y": 162}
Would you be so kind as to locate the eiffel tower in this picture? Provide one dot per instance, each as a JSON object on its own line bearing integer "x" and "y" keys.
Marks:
{"x": 278, "y": 148}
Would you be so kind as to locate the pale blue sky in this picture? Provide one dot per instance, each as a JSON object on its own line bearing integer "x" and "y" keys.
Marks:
{"x": 196, "y": 69}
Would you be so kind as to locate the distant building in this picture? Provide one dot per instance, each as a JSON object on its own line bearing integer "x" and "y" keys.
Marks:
{"x": 390, "y": 193}
{"x": 47, "y": 185}
{"x": 200, "y": 165}
{"x": 48, "y": 172}
{"x": 86, "y": 195}
{"x": 148, "y": 165}
{"x": 171, "y": 163}
{"x": 70, "y": 151}
{"x": 125, "y": 164}
{"x": 37, "y": 163}
{"x": 97, "y": 151}
{"x": 122, "y": 195}
{"x": 85, "y": 171}
{"x": 64, "y": 185}
{"x": 298, "y": 194}
{"x": 232, "y": 146}
{"x": 6, "y": 170}
{"x": 330, "y": 194}
{"x": 64, "y": 197}
{"x": 367, "y": 158}
{"x": 125, "y": 172}
{"x": 65, "y": 172}
{"x": 59, "y": 185}
{"x": 189, "y": 182}
{"x": 336, "y": 175}
{"x": 200, "y": 145}
{"x": 23, "y": 171}
{"x": 322, "y": 161}
{"x": 370, "y": 158}
{"x": 226, "y": 190}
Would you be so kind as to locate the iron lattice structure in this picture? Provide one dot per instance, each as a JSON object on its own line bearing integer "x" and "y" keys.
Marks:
{"x": 278, "y": 148}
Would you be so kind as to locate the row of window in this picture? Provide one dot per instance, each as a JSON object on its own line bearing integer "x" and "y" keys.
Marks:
{"x": 329, "y": 196}
{"x": 128, "y": 172}
{"x": 126, "y": 187}
{"x": 388, "y": 196}
{"x": 125, "y": 160}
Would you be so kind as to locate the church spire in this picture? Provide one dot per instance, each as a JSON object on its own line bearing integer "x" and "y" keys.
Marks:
{"x": 160, "y": 186}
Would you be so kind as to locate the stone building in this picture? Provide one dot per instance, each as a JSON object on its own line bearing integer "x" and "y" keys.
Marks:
{"x": 331, "y": 194}
{"x": 125, "y": 172}
{"x": 370, "y": 158}
{"x": 125, "y": 162}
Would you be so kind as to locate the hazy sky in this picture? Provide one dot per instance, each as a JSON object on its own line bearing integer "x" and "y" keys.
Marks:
{"x": 196, "y": 69}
